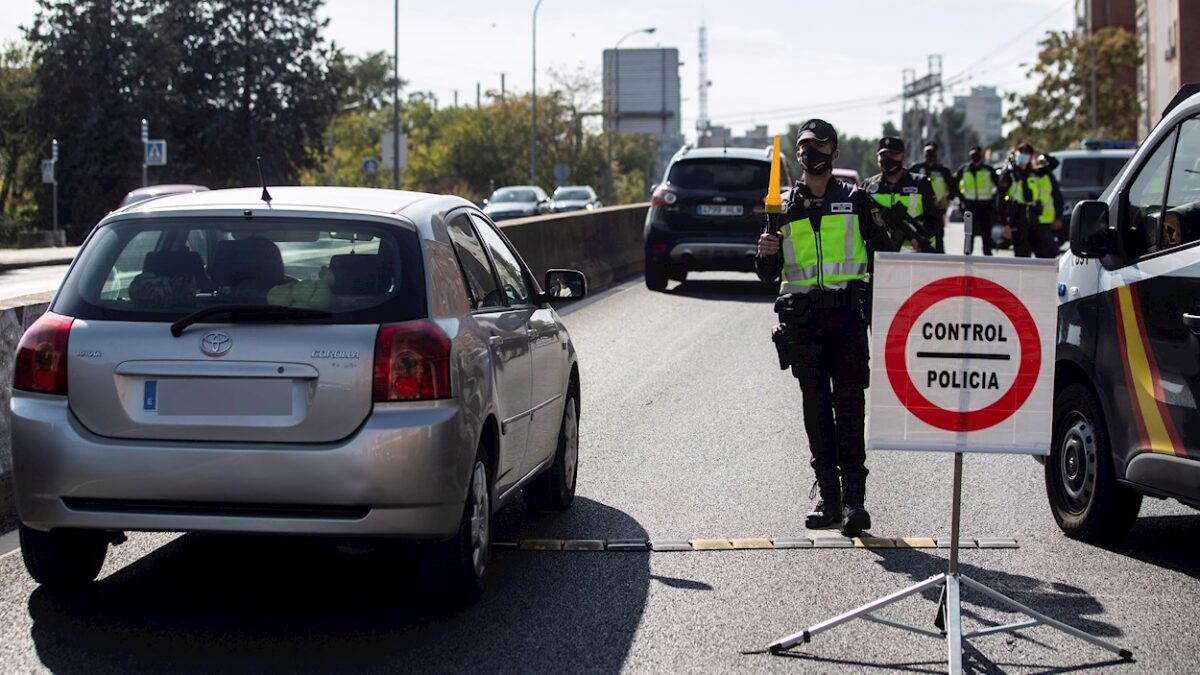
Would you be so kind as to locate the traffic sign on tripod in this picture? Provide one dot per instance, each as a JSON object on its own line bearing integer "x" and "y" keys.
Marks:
{"x": 156, "y": 152}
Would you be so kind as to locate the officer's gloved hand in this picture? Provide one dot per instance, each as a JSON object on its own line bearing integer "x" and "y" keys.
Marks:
{"x": 768, "y": 245}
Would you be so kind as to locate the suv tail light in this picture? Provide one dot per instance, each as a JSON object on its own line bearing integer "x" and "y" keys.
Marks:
{"x": 412, "y": 362}
{"x": 41, "y": 363}
{"x": 663, "y": 197}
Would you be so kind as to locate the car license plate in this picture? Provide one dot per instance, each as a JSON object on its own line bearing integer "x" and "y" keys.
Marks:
{"x": 720, "y": 209}
{"x": 226, "y": 397}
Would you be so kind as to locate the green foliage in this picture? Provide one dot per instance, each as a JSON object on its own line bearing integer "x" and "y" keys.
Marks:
{"x": 1057, "y": 114}
{"x": 222, "y": 81}
{"x": 19, "y": 159}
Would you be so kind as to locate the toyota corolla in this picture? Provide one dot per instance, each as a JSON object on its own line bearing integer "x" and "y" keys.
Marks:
{"x": 318, "y": 361}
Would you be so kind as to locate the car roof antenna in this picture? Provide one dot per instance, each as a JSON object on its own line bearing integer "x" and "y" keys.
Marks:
{"x": 266, "y": 196}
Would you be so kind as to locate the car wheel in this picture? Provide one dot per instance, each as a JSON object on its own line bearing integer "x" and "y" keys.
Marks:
{"x": 554, "y": 488}
{"x": 457, "y": 567}
{"x": 1087, "y": 501}
{"x": 656, "y": 278}
{"x": 679, "y": 274}
{"x": 63, "y": 558}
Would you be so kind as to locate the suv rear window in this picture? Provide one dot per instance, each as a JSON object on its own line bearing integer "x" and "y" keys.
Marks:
{"x": 725, "y": 175}
{"x": 162, "y": 270}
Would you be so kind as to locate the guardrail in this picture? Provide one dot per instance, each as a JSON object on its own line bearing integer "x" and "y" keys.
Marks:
{"x": 605, "y": 244}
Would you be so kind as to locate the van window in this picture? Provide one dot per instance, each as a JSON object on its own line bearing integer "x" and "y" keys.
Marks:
{"x": 1146, "y": 196}
{"x": 1181, "y": 217}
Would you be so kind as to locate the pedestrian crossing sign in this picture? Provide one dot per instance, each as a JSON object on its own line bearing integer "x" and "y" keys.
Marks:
{"x": 156, "y": 153}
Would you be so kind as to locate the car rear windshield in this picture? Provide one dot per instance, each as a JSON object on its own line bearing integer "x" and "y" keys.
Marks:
{"x": 1090, "y": 172}
{"x": 726, "y": 175}
{"x": 572, "y": 195}
{"x": 161, "y": 270}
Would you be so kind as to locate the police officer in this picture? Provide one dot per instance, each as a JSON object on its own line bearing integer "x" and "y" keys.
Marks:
{"x": 907, "y": 200}
{"x": 944, "y": 188}
{"x": 1020, "y": 202}
{"x": 976, "y": 194}
{"x": 1051, "y": 198}
{"x": 821, "y": 254}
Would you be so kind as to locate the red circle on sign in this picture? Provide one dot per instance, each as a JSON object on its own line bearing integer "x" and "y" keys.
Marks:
{"x": 897, "y": 343}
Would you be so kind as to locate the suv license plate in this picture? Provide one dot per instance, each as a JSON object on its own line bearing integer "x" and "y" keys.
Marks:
{"x": 720, "y": 209}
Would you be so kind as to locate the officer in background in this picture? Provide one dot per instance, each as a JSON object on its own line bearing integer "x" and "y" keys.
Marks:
{"x": 1020, "y": 201}
{"x": 908, "y": 201}
{"x": 976, "y": 183}
{"x": 1051, "y": 197}
{"x": 822, "y": 255}
{"x": 944, "y": 187}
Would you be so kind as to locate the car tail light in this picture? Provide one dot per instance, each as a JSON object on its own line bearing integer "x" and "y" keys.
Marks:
{"x": 41, "y": 363}
{"x": 663, "y": 197}
{"x": 412, "y": 362}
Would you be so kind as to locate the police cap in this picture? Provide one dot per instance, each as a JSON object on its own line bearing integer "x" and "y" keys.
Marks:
{"x": 819, "y": 130}
{"x": 891, "y": 144}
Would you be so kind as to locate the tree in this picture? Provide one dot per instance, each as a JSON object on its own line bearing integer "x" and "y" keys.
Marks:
{"x": 17, "y": 156}
{"x": 1058, "y": 113}
{"x": 222, "y": 81}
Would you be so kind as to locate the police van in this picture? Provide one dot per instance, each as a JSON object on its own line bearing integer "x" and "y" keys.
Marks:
{"x": 1127, "y": 375}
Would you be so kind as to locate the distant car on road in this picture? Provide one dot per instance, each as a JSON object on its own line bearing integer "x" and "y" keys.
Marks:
{"x": 151, "y": 191}
{"x": 707, "y": 213}
{"x": 574, "y": 198}
{"x": 1084, "y": 174}
{"x": 341, "y": 361}
{"x": 516, "y": 201}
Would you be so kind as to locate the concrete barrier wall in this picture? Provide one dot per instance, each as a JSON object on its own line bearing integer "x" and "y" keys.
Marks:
{"x": 605, "y": 244}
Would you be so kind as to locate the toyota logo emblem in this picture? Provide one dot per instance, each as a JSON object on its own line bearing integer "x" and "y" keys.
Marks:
{"x": 215, "y": 344}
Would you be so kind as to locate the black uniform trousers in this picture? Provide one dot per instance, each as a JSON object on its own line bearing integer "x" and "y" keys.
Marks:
{"x": 1031, "y": 238}
{"x": 829, "y": 356}
{"x": 981, "y": 219}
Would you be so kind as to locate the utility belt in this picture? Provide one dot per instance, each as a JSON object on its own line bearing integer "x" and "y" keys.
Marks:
{"x": 797, "y": 308}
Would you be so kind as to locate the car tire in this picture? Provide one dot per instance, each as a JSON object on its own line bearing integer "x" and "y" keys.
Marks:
{"x": 1085, "y": 498}
{"x": 63, "y": 558}
{"x": 678, "y": 274}
{"x": 554, "y": 488}
{"x": 656, "y": 278}
{"x": 456, "y": 569}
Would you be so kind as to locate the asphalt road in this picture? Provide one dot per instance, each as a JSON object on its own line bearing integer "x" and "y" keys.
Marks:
{"x": 30, "y": 280}
{"x": 689, "y": 431}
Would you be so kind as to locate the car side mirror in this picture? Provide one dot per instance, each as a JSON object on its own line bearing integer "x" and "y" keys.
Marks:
{"x": 1090, "y": 234}
{"x": 565, "y": 285}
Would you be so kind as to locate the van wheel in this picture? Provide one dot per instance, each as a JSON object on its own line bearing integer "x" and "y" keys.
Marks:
{"x": 63, "y": 558}
{"x": 457, "y": 568}
{"x": 554, "y": 488}
{"x": 656, "y": 277}
{"x": 1087, "y": 501}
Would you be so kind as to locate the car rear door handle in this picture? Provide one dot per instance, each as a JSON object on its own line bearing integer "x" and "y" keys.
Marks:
{"x": 1192, "y": 321}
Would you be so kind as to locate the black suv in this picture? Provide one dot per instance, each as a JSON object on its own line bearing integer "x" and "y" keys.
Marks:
{"x": 707, "y": 213}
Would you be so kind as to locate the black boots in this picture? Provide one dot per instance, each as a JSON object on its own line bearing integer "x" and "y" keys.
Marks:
{"x": 828, "y": 510}
{"x": 855, "y": 518}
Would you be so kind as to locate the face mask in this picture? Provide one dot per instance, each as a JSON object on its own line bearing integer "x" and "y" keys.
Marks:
{"x": 975, "y": 157}
{"x": 1022, "y": 159}
{"x": 931, "y": 159}
{"x": 889, "y": 165}
{"x": 815, "y": 162}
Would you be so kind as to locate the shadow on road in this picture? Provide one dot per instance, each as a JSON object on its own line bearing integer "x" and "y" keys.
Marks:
{"x": 749, "y": 290}
{"x": 1162, "y": 541}
{"x": 249, "y": 604}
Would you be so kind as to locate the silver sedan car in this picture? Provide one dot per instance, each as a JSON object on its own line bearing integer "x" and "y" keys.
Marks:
{"x": 334, "y": 361}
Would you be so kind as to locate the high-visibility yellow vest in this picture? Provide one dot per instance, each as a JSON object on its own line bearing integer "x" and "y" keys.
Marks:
{"x": 938, "y": 181}
{"x": 977, "y": 185}
{"x": 1015, "y": 193}
{"x": 1045, "y": 195}
{"x": 826, "y": 259}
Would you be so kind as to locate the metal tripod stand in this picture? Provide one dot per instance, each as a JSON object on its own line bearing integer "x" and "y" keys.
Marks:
{"x": 949, "y": 619}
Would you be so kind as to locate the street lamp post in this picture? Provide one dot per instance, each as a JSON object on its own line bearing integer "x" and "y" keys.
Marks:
{"x": 533, "y": 94}
{"x": 396, "y": 97}
{"x": 616, "y": 104}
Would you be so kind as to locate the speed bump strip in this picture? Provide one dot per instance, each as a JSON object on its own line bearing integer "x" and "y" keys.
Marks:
{"x": 711, "y": 545}
{"x": 751, "y": 543}
{"x": 583, "y": 545}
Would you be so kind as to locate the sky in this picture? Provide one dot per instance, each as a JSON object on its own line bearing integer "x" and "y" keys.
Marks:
{"x": 770, "y": 62}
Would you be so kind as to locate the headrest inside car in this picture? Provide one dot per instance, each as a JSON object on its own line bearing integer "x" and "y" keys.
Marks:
{"x": 358, "y": 274}
{"x": 246, "y": 262}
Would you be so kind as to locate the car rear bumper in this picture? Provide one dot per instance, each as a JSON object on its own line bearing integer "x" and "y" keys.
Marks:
{"x": 404, "y": 473}
{"x": 704, "y": 255}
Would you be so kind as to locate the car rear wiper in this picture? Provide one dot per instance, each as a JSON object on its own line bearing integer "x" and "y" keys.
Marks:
{"x": 249, "y": 313}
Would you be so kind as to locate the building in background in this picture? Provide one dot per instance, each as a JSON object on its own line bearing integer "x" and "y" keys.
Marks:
{"x": 1168, "y": 61}
{"x": 641, "y": 96}
{"x": 984, "y": 112}
{"x": 722, "y": 137}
